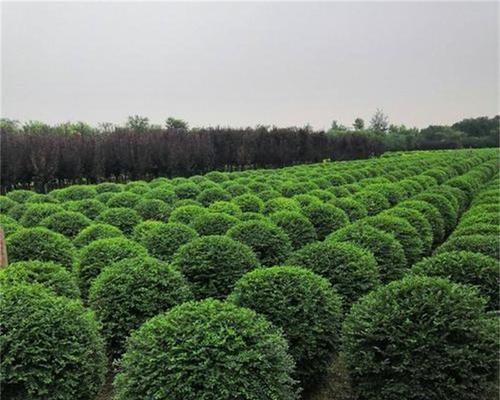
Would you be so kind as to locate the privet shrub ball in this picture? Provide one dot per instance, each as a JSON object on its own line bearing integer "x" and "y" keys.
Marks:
{"x": 298, "y": 228}
{"x": 306, "y": 199}
{"x": 153, "y": 209}
{"x": 67, "y": 223}
{"x": 186, "y": 214}
{"x": 6, "y": 204}
{"x": 163, "y": 240}
{"x": 95, "y": 232}
{"x": 206, "y": 350}
{"x": 91, "y": 208}
{"x": 421, "y": 338}
{"x": 21, "y": 195}
{"x": 281, "y": 204}
{"x": 325, "y": 218}
{"x": 431, "y": 214}
{"x": 35, "y": 213}
{"x": 16, "y": 212}
{"x": 45, "y": 273}
{"x": 74, "y": 192}
{"x": 214, "y": 223}
{"x": 354, "y": 209}
{"x": 40, "y": 244}
{"x": 211, "y": 195}
{"x": 387, "y": 250}
{"x": 9, "y": 225}
{"x": 351, "y": 270}
{"x": 123, "y": 199}
{"x": 249, "y": 203}
{"x": 444, "y": 207}
{"x": 164, "y": 193}
{"x": 373, "y": 201}
{"x": 94, "y": 257}
{"x": 50, "y": 345}
{"x": 489, "y": 245}
{"x": 404, "y": 233}
{"x": 269, "y": 242}
{"x": 304, "y": 305}
{"x": 106, "y": 187}
{"x": 226, "y": 207}
{"x": 142, "y": 229}
{"x": 129, "y": 292}
{"x": 476, "y": 228}
{"x": 468, "y": 268}
{"x": 123, "y": 218}
{"x": 212, "y": 264}
{"x": 186, "y": 190}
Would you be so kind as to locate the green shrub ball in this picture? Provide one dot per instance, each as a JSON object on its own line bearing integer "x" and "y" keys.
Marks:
{"x": 213, "y": 264}
{"x": 153, "y": 209}
{"x": 163, "y": 240}
{"x": 91, "y": 208}
{"x": 40, "y": 244}
{"x": 269, "y": 242}
{"x": 489, "y": 245}
{"x": 95, "y": 232}
{"x": 207, "y": 350}
{"x": 298, "y": 228}
{"x": 213, "y": 223}
{"x": 36, "y": 212}
{"x": 421, "y": 338}
{"x": 67, "y": 223}
{"x": 351, "y": 270}
{"x": 249, "y": 203}
{"x": 97, "y": 255}
{"x": 304, "y": 305}
{"x": 467, "y": 268}
{"x": 51, "y": 347}
{"x": 45, "y": 273}
{"x": 129, "y": 292}
{"x": 325, "y": 218}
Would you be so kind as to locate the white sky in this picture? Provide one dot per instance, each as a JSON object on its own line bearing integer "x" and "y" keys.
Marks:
{"x": 243, "y": 64}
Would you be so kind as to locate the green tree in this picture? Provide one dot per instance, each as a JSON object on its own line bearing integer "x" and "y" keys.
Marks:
{"x": 138, "y": 123}
{"x": 379, "y": 122}
{"x": 176, "y": 123}
{"x": 359, "y": 124}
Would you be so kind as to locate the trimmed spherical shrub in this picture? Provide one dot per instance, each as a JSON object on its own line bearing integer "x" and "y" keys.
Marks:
{"x": 17, "y": 211}
{"x": 351, "y": 270}
{"x": 50, "y": 275}
{"x": 394, "y": 193}
{"x": 325, "y": 218}
{"x": 212, "y": 264}
{"x": 467, "y": 268}
{"x": 466, "y": 185}
{"x": 269, "y": 242}
{"x": 186, "y": 214}
{"x": 40, "y": 244}
{"x": 91, "y": 208}
{"x": 481, "y": 228}
{"x": 138, "y": 187}
{"x": 299, "y": 229}
{"x": 217, "y": 176}
{"x": 186, "y": 190}
{"x": 304, "y": 305}
{"x": 51, "y": 348}
{"x": 123, "y": 218}
{"x": 340, "y": 191}
{"x": 305, "y": 200}
{"x": 387, "y": 250}
{"x": 214, "y": 223}
{"x": 21, "y": 195}
{"x": 251, "y": 216}
{"x": 373, "y": 201}
{"x": 354, "y": 209}
{"x": 289, "y": 189}
{"x": 35, "y": 213}
{"x": 281, "y": 204}
{"x": 6, "y": 204}
{"x": 323, "y": 195}
{"x": 488, "y": 245}
{"x": 235, "y": 189}
{"x": 142, "y": 228}
{"x": 95, "y": 232}
{"x": 163, "y": 240}
{"x": 268, "y": 194}
{"x": 225, "y": 207}
{"x": 127, "y": 293}
{"x": 67, "y": 223}
{"x": 211, "y": 195}
{"x": 9, "y": 225}
{"x": 104, "y": 197}
{"x": 417, "y": 221}
{"x": 94, "y": 257}
{"x": 153, "y": 209}
{"x": 404, "y": 233}
{"x": 420, "y": 338}
{"x": 108, "y": 187}
{"x": 444, "y": 207}
{"x": 74, "y": 192}
{"x": 123, "y": 199}
{"x": 206, "y": 350}
{"x": 431, "y": 214}
{"x": 249, "y": 203}
{"x": 163, "y": 193}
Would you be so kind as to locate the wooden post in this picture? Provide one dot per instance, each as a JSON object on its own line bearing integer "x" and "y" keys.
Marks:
{"x": 3, "y": 249}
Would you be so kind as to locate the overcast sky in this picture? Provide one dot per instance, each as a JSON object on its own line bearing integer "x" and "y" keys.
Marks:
{"x": 243, "y": 64}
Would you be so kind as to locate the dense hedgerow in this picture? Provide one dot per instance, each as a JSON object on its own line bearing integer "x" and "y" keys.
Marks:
{"x": 50, "y": 345}
{"x": 212, "y": 264}
{"x": 163, "y": 240}
{"x": 95, "y": 232}
{"x": 214, "y": 223}
{"x": 206, "y": 350}
{"x": 9, "y": 225}
{"x": 387, "y": 250}
{"x": 299, "y": 229}
{"x": 186, "y": 214}
{"x": 48, "y": 274}
{"x": 431, "y": 214}
{"x": 97, "y": 255}
{"x": 304, "y": 305}
{"x": 123, "y": 218}
{"x": 351, "y": 270}
{"x": 404, "y": 233}
{"x": 269, "y": 242}
{"x": 35, "y": 213}
{"x": 91, "y": 208}
{"x": 40, "y": 244}
{"x": 468, "y": 268}
{"x": 127, "y": 293}
{"x": 325, "y": 218}
{"x": 153, "y": 209}
{"x": 67, "y": 223}
{"x": 373, "y": 201}
{"x": 420, "y": 338}
{"x": 488, "y": 245}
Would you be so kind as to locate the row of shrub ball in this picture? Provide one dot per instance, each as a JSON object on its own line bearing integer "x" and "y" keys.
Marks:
{"x": 248, "y": 284}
